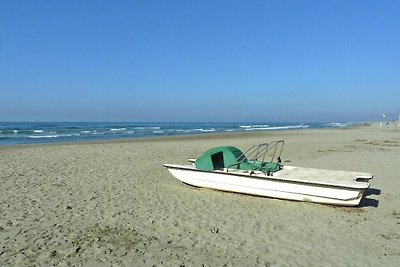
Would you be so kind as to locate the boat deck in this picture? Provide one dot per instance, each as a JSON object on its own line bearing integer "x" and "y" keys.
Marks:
{"x": 325, "y": 177}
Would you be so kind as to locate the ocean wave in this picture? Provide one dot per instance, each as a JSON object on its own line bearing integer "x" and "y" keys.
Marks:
{"x": 7, "y": 132}
{"x": 335, "y": 124}
{"x": 254, "y": 126}
{"x": 147, "y": 128}
{"x": 51, "y": 136}
{"x": 43, "y": 136}
{"x": 20, "y": 131}
{"x": 258, "y": 129}
{"x": 117, "y": 129}
{"x": 278, "y": 128}
{"x": 199, "y": 130}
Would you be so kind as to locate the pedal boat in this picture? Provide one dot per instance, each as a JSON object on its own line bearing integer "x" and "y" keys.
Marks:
{"x": 227, "y": 168}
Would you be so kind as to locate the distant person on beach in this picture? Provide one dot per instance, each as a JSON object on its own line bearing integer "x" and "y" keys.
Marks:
{"x": 384, "y": 120}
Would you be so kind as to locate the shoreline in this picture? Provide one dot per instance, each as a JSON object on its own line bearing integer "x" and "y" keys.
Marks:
{"x": 204, "y": 136}
{"x": 63, "y": 132}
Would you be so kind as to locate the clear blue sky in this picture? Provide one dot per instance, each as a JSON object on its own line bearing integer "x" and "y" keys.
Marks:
{"x": 199, "y": 60}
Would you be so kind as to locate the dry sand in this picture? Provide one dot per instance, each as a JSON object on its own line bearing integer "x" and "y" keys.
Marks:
{"x": 113, "y": 204}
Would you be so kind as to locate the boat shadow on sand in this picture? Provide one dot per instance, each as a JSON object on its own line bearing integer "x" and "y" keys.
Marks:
{"x": 370, "y": 202}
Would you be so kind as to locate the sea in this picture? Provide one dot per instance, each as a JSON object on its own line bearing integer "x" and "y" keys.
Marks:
{"x": 12, "y": 133}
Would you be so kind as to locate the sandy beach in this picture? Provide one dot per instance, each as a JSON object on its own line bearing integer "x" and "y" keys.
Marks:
{"x": 114, "y": 204}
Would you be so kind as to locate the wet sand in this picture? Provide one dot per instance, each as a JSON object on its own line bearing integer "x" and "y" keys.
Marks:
{"x": 112, "y": 203}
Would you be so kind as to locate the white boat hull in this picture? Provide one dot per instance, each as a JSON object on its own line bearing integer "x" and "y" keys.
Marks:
{"x": 275, "y": 187}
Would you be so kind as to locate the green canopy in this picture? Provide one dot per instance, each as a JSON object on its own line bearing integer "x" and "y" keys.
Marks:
{"x": 218, "y": 158}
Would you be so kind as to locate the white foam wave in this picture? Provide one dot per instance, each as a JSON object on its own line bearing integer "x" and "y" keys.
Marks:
{"x": 200, "y": 130}
{"x": 158, "y": 132}
{"x": 51, "y": 136}
{"x": 254, "y": 126}
{"x": 148, "y": 128}
{"x": 258, "y": 129}
{"x": 44, "y": 136}
{"x": 38, "y": 131}
{"x": 278, "y": 128}
{"x": 117, "y": 129}
{"x": 335, "y": 124}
